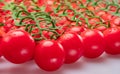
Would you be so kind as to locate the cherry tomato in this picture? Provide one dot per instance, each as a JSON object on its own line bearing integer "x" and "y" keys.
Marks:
{"x": 0, "y": 54}
{"x": 49, "y": 55}
{"x": 72, "y": 44}
{"x": 2, "y": 33}
{"x": 0, "y": 47}
{"x": 94, "y": 21}
{"x": 76, "y": 29}
{"x": 112, "y": 39}
{"x": 8, "y": 24}
{"x": 115, "y": 21}
{"x": 107, "y": 17}
{"x": 101, "y": 28}
{"x": 100, "y": 13}
{"x": 83, "y": 1}
{"x": 1, "y": 4}
{"x": 93, "y": 43}
{"x": 17, "y": 46}
{"x": 113, "y": 8}
{"x": 41, "y": 2}
{"x": 18, "y": 1}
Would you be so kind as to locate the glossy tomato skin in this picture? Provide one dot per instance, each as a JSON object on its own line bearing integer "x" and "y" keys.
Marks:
{"x": 49, "y": 55}
{"x": 41, "y": 2}
{"x": 115, "y": 22}
{"x": 107, "y": 17}
{"x": 112, "y": 39}
{"x": 17, "y": 46}
{"x": 72, "y": 44}
{"x": 76, "y": 29}
{"x": 2, "y": 33}
{"x": 0, "y": 54}
{"x": 93, "y": 43}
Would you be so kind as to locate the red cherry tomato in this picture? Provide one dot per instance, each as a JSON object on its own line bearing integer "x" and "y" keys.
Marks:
{"x": 17, "y": 46}
{"x": 101, "y": 28}
{"x": 18, "y": 1}
{"x": 107, "y": 17}
{"x": 1, "y": 4}
{"x": 76, "y": 29}
{"x": 115, "y": 21}
{"x": 94, "y": 21}
{"x": 49, "y": 55}
{"x": 100, "y": 13}
{"x": 72, "y": 44}
{"x": 0, "y": 46}
{"x": 41, "y": 2}
{"x": 8, "y": 24}
{"x": 2, "y": 33}
{"x": 93, "y": 43}
{"x": 0, "y": 54}
{"x": 112, "y": 39}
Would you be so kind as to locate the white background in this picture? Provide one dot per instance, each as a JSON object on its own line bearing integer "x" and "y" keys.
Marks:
{"x": 106, "y": 64}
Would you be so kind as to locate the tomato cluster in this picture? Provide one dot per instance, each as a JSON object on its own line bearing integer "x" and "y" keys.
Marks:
{"x": 57, "y": 32}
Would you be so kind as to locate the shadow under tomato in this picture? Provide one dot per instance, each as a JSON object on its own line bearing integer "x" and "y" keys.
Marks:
{"x": 26, "y": 68}
{"x": 31, "y": 68}
{"x": 101, "y": 59}
{"x": 112, "y": 56}
{"x": 74, "y": 66}
{"x": 2, "y": 60}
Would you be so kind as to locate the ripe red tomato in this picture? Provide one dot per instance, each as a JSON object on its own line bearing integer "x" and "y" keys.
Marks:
{"x": 100, "y": 13}
{"x": 18, "y": 1}
{"x": 112, "y": 39}
{"x": 17, "y": 46}
{"x": 8, "y": 0}
{"x": 0, "y": 54}
{"x": 94, "y": 21}
{"x": 49, "y": 55}
{"x": 115, "y": 21}
{"x": 83, "y": 1}
{"x": 1, "y": 4}
{"x": 2, "y": 33}
{"x": 93, "y": 43}
{"x": 0, "y": 46}
{"x": 72, "y": 44}
{"x": 107, "y": 17}
{"x": 76, "y": 29}
{"x": 101, "y": 28}
{"x": 41, "y": 2}
{"x": 8, "y": 24}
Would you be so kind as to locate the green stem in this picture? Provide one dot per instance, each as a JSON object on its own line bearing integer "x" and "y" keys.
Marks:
{"x": 117, "y": 11}
{"x": 87, "y": 22}
{"x": 57, "y": 9}
{"x": 29, "y": 29}
{"x": 37, "y": 23}
{"x": 22, "y": 11}
{"x": 81, "y": 5}
{"x": 111, "y": 4}
{"x": 95, "y": 3}
{"x": 23, "y": 18}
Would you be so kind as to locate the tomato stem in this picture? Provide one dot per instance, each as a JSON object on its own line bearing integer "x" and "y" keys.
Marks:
{"x": 117, "y": 11}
